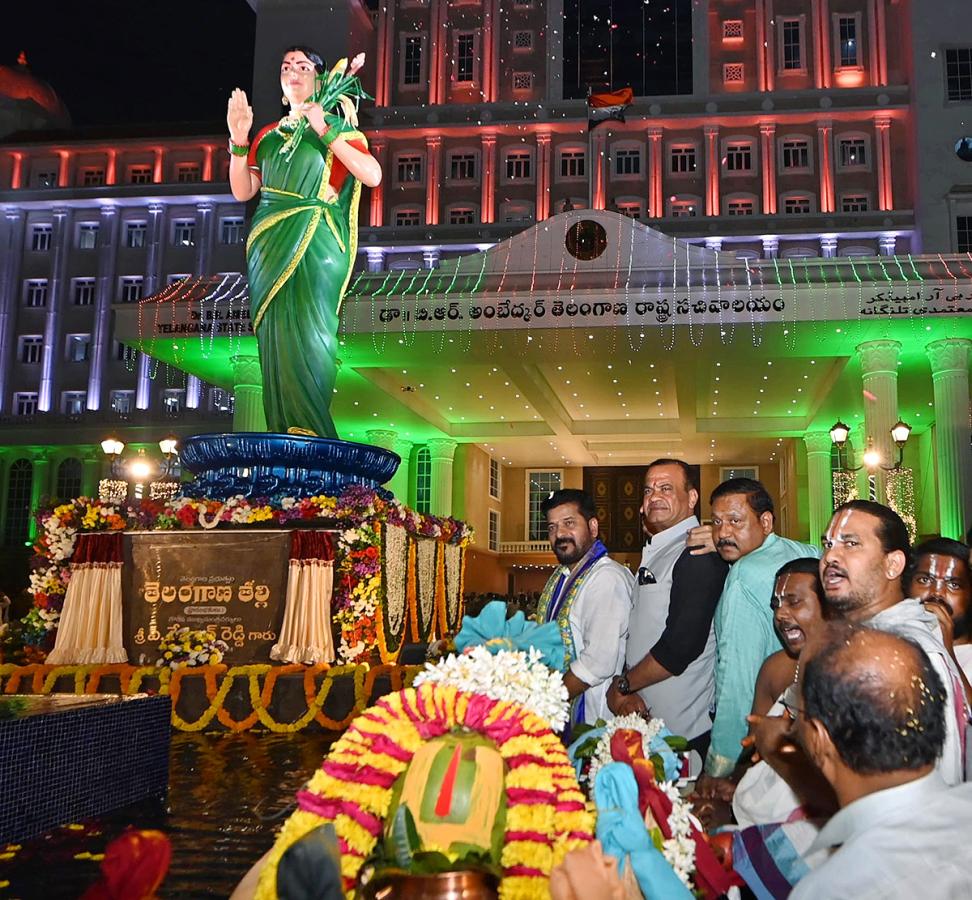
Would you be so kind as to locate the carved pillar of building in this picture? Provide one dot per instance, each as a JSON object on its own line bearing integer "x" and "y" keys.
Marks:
{"x": 207, "y": 166}
{"x": 823, "y": 29}
{"x": 104, "y": 295}
{"x": 111, "y": 169}
{"x": 882, "y": 154}
{"x": 64, "y": 168}
{"x": 248, "y": 413}
{"x": 543, "y": 177}
{"x": 13, "y": 240}
{"x": 488, "y": 197}
{"x": 879, "y": 370}
{"x": 16, "y": 170}
{"x": 158, "y": 174}
{"x": 825, "y": 131}
{"x": 712, "y": 165}
{"x": 828, "y": 246}
{"x": 767, "y": 143}
{"x": 820, "y": 487}
{"x": 390, "y": 440}
{"x": 153, "y": 269}
{"x": 656, "y": 198}
{"x": 205, "y": 227}
{"x": 441, "y": 453}
{"x": 599, "y": 170}
{"x": 433, "y": 148}
{"x": 377, "y": 203}
{"x": 40, "y": 486}
{"x": 53, "y": 343}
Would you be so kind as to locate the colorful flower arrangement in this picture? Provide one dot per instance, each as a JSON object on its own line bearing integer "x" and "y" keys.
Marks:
{"x": 360, "y": 510}
{"x": 510, "y": 675}
{"x": 186, "y": 647}
{"x": 546, "y": 814}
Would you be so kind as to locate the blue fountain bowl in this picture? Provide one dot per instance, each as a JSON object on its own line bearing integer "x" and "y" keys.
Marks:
{"x": 257, "y": 464}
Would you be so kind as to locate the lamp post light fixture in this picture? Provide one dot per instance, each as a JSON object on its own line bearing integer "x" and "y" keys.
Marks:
{"x": 114, "y": 488}
{"x": 168, "y": 485}
{"x": 900, "y": 432}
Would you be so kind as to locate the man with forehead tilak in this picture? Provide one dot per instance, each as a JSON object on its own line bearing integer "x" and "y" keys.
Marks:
{"x": 865, "y": 555}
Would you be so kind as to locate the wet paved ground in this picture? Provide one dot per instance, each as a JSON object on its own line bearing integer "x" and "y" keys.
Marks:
{"x": 227, "y": 796}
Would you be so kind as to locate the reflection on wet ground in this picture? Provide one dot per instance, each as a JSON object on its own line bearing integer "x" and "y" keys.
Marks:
{"x": 227, "y": 796}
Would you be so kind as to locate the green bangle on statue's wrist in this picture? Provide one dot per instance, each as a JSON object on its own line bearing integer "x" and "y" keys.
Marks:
{"x": 329, "y": 136}
{"x": 238, "y": 149}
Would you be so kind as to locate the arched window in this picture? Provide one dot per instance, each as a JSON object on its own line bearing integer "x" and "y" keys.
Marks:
{"x": 799, "y": 253}
{"x": 740, "y": 204}
{"x": 683, "y": 206}
{"x": 423, "y": 480}
{"x": 69, "y": 479}
{"x": 20, "y": 481}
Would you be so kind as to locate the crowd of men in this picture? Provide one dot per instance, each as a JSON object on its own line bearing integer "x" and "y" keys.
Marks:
{"x": 823, "y": 690}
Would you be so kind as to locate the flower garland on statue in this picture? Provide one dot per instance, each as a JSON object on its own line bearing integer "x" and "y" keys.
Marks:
{"x": 359, "y": 511}
{"x": 546, "y": 814}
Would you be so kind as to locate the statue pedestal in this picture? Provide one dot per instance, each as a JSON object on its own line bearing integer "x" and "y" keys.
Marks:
{"x": 258, "y": 464}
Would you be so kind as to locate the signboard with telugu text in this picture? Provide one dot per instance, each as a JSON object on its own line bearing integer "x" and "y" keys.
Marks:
{"x": 231, "y": 583}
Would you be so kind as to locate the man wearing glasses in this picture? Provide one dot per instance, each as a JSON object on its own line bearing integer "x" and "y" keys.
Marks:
{"x": 670, "y": 652}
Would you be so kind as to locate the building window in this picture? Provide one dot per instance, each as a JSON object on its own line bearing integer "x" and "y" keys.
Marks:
{"x": 740, "y": 207}
{"x": 630, "y": 208}
{"x": 412, "y": 53}
{"x": 523, "y": 81}
{"x": 423, "y": 480}
{"x": 462, "y": 215}
{"x": 173, "y": 401}
{"x": 231, "y": 230}
{"x": 465, "y": 57}
{"x": 25, "y": 403}
{"x": 77, "y": 347}
{"x": 739, "y": 157}
{"x": 847, "y": 42}
{"x": 733, "y": 73}
{"x": 84, "y": 291}
{"x": 494, "y": 479}
{"x": 797, "y": 205}
{"x": 46, "y": 179}
{"x": 682, "y": 159}
{"x": 462, "y": 166}
{"x": 131, "y": 288}
{"x": 69, "y": 479}
{"x": 31, "y": 348}
{"x": 140, "y": 175}
{"x": 540, "y": 486}
{"x": 408, "y": 217}
{"x": 493, "y": 531}
{"x": 518, "y": 167}
{"x": 791, "y": 45}
{"x": 122, "y": 402}
{"x": 573, "y": 163}
{"x": 522, "y": 40}
{"x": 854, "y": 203}
{"x": 135, "y": 235}
{"x": 683, "y": 207}
{"x": 87, "y": 235}
{"x": 958, "y": 73}
{"x": 732, "y": 30}
{"x": 852, "y": 153}
{"x": 221, "y": 400}
{"x": 40, "y": 237}
{"x": 516, "y": 211}
{"x": 184, "y": 233}
{"x": 73, "y": 402}
{"x": 92, "y": 177}
{"x": 795, "y": 155}
{"x": 409, "y": 168}
{"x": 963, "y": 234}
{"x": 627, "y": 161}
{"x": 188, "y": 172}
{"x": 125, "y": 352}
{"x": 36, "y": 292}
{"x": 20, "y": 483}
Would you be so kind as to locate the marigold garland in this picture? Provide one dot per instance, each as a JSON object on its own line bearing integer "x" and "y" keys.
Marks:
{"x": 546, "y": 813}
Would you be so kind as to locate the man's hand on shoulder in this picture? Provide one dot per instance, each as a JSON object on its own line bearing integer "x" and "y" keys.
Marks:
{"x": 699, "y": 540}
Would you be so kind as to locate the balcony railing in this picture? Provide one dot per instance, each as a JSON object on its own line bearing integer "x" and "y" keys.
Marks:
{"x": 525, "y": 547}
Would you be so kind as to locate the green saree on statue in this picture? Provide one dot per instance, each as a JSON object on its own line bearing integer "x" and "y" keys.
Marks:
{"x": 299, "y": 255}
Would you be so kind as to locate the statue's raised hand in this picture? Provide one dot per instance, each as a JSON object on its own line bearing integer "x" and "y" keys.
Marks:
{"x": 239, "y": 117}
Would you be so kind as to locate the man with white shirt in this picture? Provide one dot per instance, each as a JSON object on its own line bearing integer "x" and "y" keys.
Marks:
{"x": 670, "y": 653}
{"x": 872, "y": 717}
{"x": 589, "y": 597}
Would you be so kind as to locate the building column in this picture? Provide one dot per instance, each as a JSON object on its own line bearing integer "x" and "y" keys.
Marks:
{"x": 193, "y": 391}
{"x": 13, "y": 239}
{"x": 824, "y": 30}
{"x": 207, "y": 166}
{"x": 430, "y": 256}
{"x": 882, "y": 42}
{"x": 543, "y": 177}
{"x": 16, "y": 170}
{"x": 150, "y": 281}
{"x": 769, "y": 44}
{"x": 950, "y": 379}
{"x": 828, "y": 246}
{"x": 767, "y": 143}
{"x": 377, "y": 202}
{"x": 53, "y": 344}
{"x": 882, "y": 153}
{"x": 825, "y": 154}
{"x": 712, "y": 163}
{"x": 90, "y": 473}
{"x": 656, "y": 199}
{"x": 64, "y": 168}
{"x": 376, "y": 258}
{"x": 40, "y": 486}
{"x": 487, "y": 204}
{"x": 105, "y": 290}
{"x": 248, "y": 412}
{"x": 386, "y": 53}
{"x": 887, "y": 243}
{"x": 438, "y": 34}
{"x": 205, "y": 228}
{"x": 389, "y": 440}
{"x": 433, "y": 153}
{"x": 771, "y": 247}
{"x": 879, "y": 369}
{"x": 441, "y": 452}
{"x": 599, "y": 171}
{"x": 820, "y": 487}
{"x": 111, "y": 170}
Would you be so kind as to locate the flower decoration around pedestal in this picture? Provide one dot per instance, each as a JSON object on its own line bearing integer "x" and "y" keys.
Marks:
{"x": 188, "y": 647}
{"x": 432, "y": 752}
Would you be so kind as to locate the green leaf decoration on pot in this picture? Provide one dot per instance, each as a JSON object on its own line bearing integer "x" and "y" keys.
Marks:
{"x": 453, "y": 794}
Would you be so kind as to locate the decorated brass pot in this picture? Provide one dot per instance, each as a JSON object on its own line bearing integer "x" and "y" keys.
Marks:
{"x": 391, "y": 884}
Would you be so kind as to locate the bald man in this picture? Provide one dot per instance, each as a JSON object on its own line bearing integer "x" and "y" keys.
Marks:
{"x": 871, "y": 716}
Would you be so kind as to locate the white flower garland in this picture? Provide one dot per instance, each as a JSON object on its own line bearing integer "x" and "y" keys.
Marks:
{"x": 679, "y": 849}
{"x": 510, "y": 675}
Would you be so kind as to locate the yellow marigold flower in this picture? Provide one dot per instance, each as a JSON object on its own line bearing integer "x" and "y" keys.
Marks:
{"x": 357, "y": 837}
{"x": 535, "y": 817}
{"x": 521, "y": 887}
{"x": 527, "y": 853}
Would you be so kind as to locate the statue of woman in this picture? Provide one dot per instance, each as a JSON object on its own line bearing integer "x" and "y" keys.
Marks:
{"x": 302, "y": 240}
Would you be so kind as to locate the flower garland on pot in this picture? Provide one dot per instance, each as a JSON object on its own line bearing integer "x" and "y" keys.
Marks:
{"x": 358, "y": 513}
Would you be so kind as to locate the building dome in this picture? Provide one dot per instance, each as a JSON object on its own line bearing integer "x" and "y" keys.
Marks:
{"x": 27, "y": 103}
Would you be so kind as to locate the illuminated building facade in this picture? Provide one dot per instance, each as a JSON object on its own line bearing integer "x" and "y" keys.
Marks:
{"x": 774, "y": 131}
